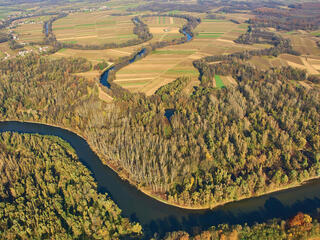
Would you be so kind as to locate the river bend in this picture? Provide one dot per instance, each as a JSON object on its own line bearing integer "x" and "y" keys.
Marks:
{"x": 156, "y": 216}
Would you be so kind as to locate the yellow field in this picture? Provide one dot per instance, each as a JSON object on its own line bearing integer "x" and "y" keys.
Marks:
{"x": 95, "y": 56}
{"x": 94, "y": 28}
{"x": 30, "y": 30}
{"x": 164, "y": 28}
{"x": 304, "y": 43}
{"x": 166, "y": 64}
{"x": 309, "y": 63}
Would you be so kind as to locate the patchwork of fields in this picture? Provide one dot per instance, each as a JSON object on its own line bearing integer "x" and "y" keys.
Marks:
{"x": 164, "y": 28}
{"x": 31, "y": 29}
{"x": 162, "y": 66}
{"x": 94, "y": 28}
{"x": 167, "y": 64}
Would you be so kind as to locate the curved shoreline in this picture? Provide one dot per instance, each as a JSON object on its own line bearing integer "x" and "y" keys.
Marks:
{"x": 122, "y": 174}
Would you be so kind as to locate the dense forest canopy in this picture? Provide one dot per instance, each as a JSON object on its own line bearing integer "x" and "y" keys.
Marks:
{"x": 46, "y": 193}
{"x": 260, "y": 134}
{"x": 220, "y": 144}
{"x": 299, "y": 227}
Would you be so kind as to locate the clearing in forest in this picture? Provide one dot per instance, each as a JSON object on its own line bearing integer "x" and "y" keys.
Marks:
{"x": 219, "y": 82}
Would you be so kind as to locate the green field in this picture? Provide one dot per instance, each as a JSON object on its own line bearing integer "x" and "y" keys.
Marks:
{"x": 317, "y": 34}
{"x": 219, "y": 82}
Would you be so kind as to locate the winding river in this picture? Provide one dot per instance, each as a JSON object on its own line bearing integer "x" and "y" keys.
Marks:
{"x": 156, "y": 216}
{"x": 105, "y": 75}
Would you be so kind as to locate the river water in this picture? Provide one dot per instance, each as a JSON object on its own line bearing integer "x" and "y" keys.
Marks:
{"x": 156, "y": 216}
{"x": 105, "y": 75}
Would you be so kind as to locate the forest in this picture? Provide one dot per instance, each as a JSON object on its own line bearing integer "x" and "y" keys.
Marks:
{"x": 46, "y": 193}
{"x": 187, "y": 161}
{"x": 300, "y": 227}
{"x": 220, "y": 145}
{"x": 303, "y": 16}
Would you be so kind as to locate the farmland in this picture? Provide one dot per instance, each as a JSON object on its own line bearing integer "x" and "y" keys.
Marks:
{"x": 95, "y": 56}
{"x": 94, "y": 28}
{"x": 303, "y": 43}
{"x": 208, "y": 110}
{"x": 166, "y": 64}
{"x": 164, "y": 28}
{"x": 31, "y": 29}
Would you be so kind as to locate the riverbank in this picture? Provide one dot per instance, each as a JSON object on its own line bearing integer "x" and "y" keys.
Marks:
{"x": 124, "y": 175}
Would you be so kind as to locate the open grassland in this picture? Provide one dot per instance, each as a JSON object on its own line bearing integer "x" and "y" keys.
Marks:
{"x": 164, "y": 28}
{"x": 94, "y": 28}
{"x": 167, "y": 64}
{"x": 30, "y": 29}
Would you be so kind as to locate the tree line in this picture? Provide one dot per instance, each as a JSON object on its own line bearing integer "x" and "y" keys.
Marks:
{"x": 300, "y": 227}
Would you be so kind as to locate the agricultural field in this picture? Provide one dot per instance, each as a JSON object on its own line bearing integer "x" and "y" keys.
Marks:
{"x": 164, "y": 28}
{"x": 97, "y": 28}
{"x": 6, "y": 11}
{"x": 167, "y": 64}
{"x": 302, "y": 42}
{"x": 96, "y": 56}
{"x": 30, "y": 29}
{"x": 309, "y": 63}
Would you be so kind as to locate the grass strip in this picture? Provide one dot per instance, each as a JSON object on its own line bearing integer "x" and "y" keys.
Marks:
{"x": 219, "y": 82}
